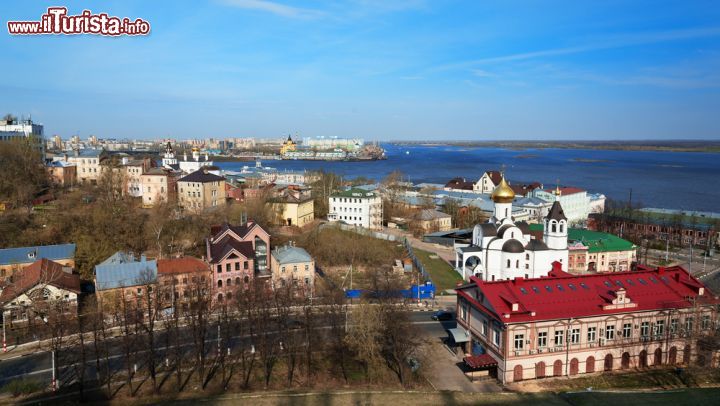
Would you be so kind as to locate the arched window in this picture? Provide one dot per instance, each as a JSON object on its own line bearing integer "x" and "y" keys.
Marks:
{"x": 553, "y": 227}
{"x": 508, "y": 263}
{"x": 506, "y": 212}
{"x": 517, "y": 264}
{"x": 219, "y": 283}
{"x": 220, "y": 297}
{"x": 247, "y": 279}
{"x": 228, "y": 282}
{"x": 562, "y": 225}
{"x": 237, "y": 281}
{"x": 229, "y": 296}
{"x": 527, "y": 257}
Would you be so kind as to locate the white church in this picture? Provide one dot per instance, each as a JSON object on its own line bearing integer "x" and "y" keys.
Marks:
{"x": 502, "y": 249}
{"x": 187, "y": 166}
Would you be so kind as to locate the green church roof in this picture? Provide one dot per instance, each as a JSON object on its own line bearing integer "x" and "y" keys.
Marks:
{"x": 596, "y": 241}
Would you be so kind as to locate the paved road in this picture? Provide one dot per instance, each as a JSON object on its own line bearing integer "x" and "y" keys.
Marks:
{"x": 445, "y": 373}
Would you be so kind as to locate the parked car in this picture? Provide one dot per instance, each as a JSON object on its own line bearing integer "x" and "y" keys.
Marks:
{"x": 442, "y": 315}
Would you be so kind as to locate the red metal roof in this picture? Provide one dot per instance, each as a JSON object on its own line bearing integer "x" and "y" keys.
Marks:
{"x": 181, "y": 265}
{"x": 480, "y": 361}
{"x": 572, "y": 296}
{"x": 41, "y": 272}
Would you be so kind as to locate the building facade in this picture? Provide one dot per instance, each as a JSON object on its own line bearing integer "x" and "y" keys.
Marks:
{"x": 43, "y": 286}
{"x": 124, "y": 277}
{"x": 133, "y": 171}
{"x": 237, "y": 255}
{"x": 357, "y": 207}
{"x": 431, "y": 221}
{"x": 293, "y": 206}
{"x": 88, "y": 165}
{"x": 200, "y": 191}
{"x": 575, "y": 202}
{"x": 15, "y": 129}
{"x": 182, "y": 280}
{"x": 568, "y": 325}
{"x": 158, "y": 185}
{"x": 293, "y": 266}
{"x": 487, "y": 182}
{"x": 61, "y": 173}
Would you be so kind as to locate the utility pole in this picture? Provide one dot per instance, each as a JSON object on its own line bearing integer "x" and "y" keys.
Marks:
{"x": 667, "y": 247}
{"x": 4, "y": 341}
{"x": 53, "y": 383}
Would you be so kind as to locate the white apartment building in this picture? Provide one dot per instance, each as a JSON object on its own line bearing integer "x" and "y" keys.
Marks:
{"x": 357, "y": 207}
{"x": 14, "y": 129}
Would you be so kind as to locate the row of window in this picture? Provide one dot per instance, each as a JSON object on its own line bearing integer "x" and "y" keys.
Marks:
{"x": 228, "y": 281}
{"x": 295, "y": 268}
{"x": 229, "y": 266}
{"x": 647, "y": 329}
{"x": 346, "y": 200}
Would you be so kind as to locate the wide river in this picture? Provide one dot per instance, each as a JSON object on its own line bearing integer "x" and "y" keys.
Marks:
{"x": 673, "y": 180}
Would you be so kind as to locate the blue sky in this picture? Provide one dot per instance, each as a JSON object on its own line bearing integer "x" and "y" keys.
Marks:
{"x": 379, "y": 69}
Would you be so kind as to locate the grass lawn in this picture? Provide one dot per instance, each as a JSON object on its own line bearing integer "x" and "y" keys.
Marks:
{"x": 442, "y": 274}
{"x": 694, "y": 396}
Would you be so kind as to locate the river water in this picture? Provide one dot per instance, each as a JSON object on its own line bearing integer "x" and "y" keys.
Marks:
{"x": 673, "y": 180}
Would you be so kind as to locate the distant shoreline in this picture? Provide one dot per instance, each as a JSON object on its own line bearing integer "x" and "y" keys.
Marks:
{"x": 666, "y": 146}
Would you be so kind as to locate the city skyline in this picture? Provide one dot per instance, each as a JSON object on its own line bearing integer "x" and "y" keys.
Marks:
{"x": 407, "y": 70}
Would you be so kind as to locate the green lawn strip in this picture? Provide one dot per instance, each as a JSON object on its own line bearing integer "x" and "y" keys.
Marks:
{"x": 693, "y": 396}
{"x": 441, "y": 273}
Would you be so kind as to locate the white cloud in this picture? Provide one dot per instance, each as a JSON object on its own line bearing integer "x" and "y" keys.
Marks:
{"x": 274, "y": 8}
{"x": 605, "y": 43}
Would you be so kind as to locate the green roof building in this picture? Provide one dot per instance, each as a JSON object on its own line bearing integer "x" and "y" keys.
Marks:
{"x": 595, "y": 251}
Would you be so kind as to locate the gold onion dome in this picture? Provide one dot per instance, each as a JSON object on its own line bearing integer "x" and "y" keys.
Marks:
{"x": 503, "y": 193}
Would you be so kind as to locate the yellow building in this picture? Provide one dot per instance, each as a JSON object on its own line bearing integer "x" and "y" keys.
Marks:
{"x": 431, "y": 221}
{"x": 293, "y": 207}
{"x": 293, "y": 266}
{"x": 288, "y": 145}
{"x": 201, "y": 190}
{"x": 158, "y": 185}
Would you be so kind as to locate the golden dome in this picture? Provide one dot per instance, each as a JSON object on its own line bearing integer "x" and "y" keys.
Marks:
{"x": 503, "y": 193}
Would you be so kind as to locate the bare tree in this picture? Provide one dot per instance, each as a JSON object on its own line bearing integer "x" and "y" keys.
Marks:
{"x": 127, "y": 320}
{"x": 150, "y": 305}
{"x": 198, "y": 319}
{"x": 364, "y": 337}
{"x": 267, "y": 332}
{"x": 400, "y": 340}
{"x": 246, "y": 327}
{"x": 100, "y": 338}
{"x": 335, "y": 312}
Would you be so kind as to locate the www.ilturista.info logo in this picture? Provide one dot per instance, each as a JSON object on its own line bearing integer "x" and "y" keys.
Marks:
{"x": 56, "y": 21}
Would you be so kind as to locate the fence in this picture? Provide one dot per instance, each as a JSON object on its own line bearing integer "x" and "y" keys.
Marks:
{"x": 418, "y": 264}
{"x": 425, "y": 291}
{"x": 363, "y": 231}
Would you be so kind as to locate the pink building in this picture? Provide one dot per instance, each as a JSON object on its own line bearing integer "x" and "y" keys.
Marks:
{"x": 568, "y": 325}
{"x": 237, "y": 255}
